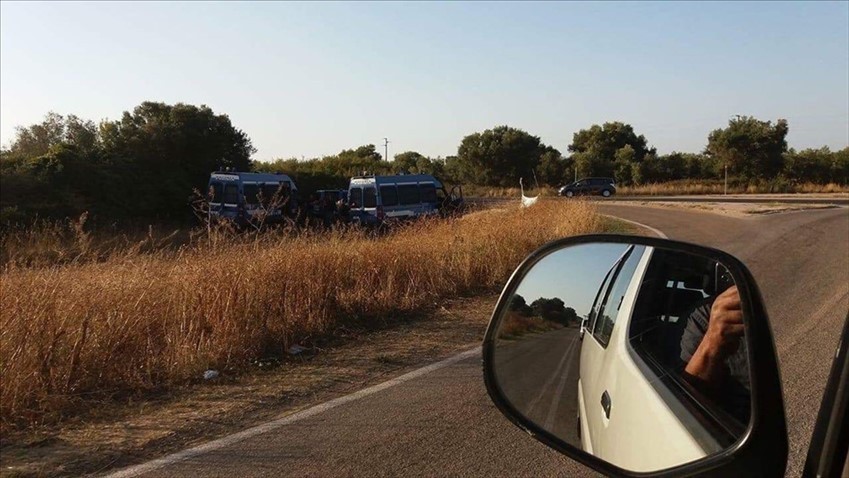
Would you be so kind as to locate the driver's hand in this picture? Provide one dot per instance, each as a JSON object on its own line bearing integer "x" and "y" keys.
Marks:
{"x": 726, "y": 323}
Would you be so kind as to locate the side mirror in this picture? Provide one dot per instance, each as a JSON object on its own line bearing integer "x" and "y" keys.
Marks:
{"x": 639, "y": 357}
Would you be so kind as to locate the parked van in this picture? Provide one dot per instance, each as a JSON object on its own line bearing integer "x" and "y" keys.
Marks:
{"x": 374, "y": 199}
{"x": 243, "y": 197}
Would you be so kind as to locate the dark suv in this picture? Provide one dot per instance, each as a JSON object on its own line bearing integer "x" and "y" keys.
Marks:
{"x": 603, "y": 186}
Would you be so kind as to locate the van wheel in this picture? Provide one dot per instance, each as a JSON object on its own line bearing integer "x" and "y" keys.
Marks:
{"x": 606, "y": 193}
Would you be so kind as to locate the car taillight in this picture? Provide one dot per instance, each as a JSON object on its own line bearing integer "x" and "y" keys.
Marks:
{"x": 380, "y": 214}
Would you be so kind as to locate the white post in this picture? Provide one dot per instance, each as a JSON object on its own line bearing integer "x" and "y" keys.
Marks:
{"x": 726, "y": 180}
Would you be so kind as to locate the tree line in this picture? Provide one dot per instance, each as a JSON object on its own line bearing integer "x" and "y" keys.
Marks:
{"x": 145, "y": 165}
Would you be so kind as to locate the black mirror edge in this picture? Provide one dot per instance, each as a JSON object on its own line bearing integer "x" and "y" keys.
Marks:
{"x": 827, "y": 452}
{"x": 762, "y": 451}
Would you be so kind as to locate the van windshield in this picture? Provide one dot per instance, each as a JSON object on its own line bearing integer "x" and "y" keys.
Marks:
{"x": 231, "y": 194}
{"x": 356, "y": 197}
{"x": 217, "y": 192}
{"x": 369, "y": 197}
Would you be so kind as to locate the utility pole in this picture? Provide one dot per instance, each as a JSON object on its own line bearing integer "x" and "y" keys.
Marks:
{"x": 726, "y": 178}
{"x": 386, "y": 149}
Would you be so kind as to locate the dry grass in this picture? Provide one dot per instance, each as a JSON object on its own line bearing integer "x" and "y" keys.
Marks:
{"x": 499, "y": 192}
{"x": 516, "y": 325}
{"x": 690, "y": 187}
{"x": 75, "y": 334}
{"x": 51, "y": 242}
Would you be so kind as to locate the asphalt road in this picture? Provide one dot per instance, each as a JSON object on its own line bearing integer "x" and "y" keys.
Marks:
{"x": 443, "y": 424}
{"x": 538, "y": 373}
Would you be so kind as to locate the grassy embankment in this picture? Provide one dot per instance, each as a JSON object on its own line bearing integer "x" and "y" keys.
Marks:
{"x": 117, "y": 325}
{"x": 676, "y": 188}
{"x": 691, "y": 187}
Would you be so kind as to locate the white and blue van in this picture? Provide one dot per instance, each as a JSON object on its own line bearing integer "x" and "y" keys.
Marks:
{"x": 374, "y": 199}
{"x": 241, "y": 197}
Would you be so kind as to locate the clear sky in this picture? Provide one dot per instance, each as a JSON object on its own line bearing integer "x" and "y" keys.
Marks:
{"x": 309, "y": 79}
{"x": 573, "y": 275}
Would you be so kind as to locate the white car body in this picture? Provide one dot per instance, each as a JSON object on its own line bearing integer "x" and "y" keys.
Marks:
{"x": 646, "y": 413}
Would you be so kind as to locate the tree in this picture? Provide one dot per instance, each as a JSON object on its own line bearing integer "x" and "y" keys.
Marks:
{"x": 622, "y": 169}
{"x": 552, "y": 167}
{"x": 597, "y": 149}
{"x": 452, "y": 169}
{"x": 814, "y": 165}
{"x": 552, "y": 309}
{"x": 168, "y": 150}
{"x": 499, "y": 156}
{"x": 37, "y": 139}
{"x": 671, "y": 167}
{"x": 570, "y": 315}
{"x": 412, "y": 162}
{"x": 144, "y": 165}
{"x": 751, "y": 148}
{"x": 840, "y": 166}
{"x": 518, "y": 304}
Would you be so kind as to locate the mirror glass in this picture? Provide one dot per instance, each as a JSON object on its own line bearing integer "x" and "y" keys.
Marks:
{"x": 634, "y": 354}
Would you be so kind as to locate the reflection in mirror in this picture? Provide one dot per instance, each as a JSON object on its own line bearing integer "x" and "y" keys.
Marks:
{"x": 631, "y": 353}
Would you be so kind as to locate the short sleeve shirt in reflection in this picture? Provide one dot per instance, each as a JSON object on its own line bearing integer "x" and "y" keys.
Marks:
{"x": 736, "y": 395}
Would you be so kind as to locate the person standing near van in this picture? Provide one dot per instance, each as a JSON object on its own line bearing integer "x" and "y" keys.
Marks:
{"x": 342, "y": 210}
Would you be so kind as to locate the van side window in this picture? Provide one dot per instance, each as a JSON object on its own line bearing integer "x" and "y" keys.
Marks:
{"x": 217, "y": 192}
{"x": 408, "y": 194}
{"x": 369, "y": 197}
{"x": 389, "y": 195}
{"x": 231, "y": 193}
{"x": 269, "y": 191}
{"x": 356, "y": 196}
{"x": 251, "y": 193}
{"x": 610, "y": 309}
{"x": 428, "y": 192}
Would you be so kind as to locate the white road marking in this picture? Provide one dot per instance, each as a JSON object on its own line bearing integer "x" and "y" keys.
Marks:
{"x": 657, "y": 232}
{"x": 557, "y": 397}
{"x": 273, "y": 425}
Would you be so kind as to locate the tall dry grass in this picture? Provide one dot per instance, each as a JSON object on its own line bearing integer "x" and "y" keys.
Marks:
{"x": 75, "y": 334}
{"x": 51, "y": 242}
{"x": 502, "y": 192}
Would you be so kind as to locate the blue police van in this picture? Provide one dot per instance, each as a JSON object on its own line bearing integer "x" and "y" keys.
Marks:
{"x": 375, "y": 199}
{"x": 244, "y": 197}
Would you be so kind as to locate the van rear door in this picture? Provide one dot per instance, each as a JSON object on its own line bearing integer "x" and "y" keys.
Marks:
{"x": 370, "y": 201}
{"x": 230, "y": 199}
{"x": 215, "y": 195}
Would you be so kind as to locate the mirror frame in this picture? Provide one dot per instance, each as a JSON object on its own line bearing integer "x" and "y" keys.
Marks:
{"x": 760, "y": 451}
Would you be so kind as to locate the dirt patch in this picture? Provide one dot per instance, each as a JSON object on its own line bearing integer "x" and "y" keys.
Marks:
{"x": 118, "y": 434}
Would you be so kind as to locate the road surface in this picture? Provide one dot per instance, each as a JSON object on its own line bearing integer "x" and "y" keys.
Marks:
{"x": 539, "y": 376}
{"x": 443, "y": 424}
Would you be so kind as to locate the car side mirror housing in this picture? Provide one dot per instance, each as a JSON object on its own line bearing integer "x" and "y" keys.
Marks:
{"x": 639, "y": 356}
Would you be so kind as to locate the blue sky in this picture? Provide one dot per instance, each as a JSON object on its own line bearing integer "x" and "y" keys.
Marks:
{"x": 309, "y": 79}
{"x": 573, "y": 275}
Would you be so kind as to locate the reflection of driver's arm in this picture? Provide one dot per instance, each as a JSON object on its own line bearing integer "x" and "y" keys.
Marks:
{"x": 721, "y": 339}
